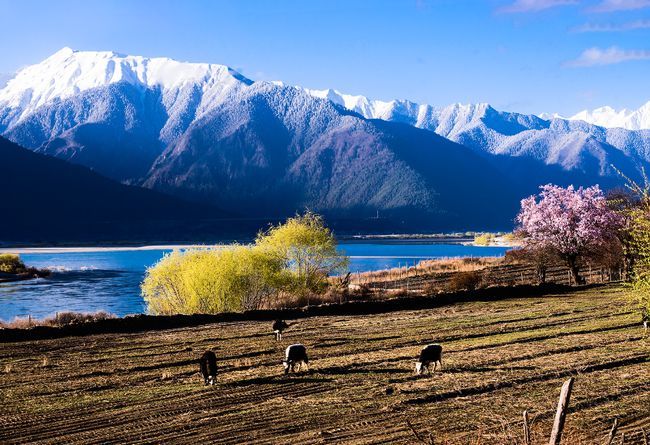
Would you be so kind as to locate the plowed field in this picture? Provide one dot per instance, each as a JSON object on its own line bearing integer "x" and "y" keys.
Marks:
{"x": 500, "y": 358}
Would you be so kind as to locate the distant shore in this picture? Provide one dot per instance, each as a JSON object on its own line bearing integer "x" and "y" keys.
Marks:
{"x": 455, "y": 238}
{"x": 26, "y": 250}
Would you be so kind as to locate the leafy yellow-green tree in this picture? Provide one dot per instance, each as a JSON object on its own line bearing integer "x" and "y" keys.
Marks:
{"x": 308, "y": 250}
{"x": 636, "y": 210}
{"x": 292, "y": 259}
{"x": 210, "y": 281}
{"x": 640, "y": 234}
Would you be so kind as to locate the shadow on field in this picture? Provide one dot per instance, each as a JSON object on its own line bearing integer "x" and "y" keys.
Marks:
{"x": 346, "y": 370}
{"x": 140, "y": 323}
{"x": 279, "y": 380}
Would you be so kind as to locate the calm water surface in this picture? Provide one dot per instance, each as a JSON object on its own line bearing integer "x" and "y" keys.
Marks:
{"x": 109, "y": 280}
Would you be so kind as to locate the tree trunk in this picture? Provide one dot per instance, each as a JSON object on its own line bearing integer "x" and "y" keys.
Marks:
{"x": 541, "y": 274}
{"x": 572, "y": 262}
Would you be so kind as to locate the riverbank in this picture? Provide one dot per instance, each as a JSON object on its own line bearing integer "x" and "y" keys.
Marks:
{"x": 142, "y": 322}
{"x": 14, "y": 277}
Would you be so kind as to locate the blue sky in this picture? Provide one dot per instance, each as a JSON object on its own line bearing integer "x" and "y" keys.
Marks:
{"x": 521, "y": 55}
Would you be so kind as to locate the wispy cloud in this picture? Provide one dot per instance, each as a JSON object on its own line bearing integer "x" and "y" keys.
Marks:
{"x": 613, "y": 27}
{"x": 534, "y": 5}
{"x": 607, "y": 56}
{"x": 619, "y": 5}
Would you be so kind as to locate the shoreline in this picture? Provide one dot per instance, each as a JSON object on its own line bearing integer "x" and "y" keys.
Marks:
{"x": 144, "y": 322}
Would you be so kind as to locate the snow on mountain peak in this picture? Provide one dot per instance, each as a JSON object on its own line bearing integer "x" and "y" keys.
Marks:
{"x": 68, "y": 72}
{"x": 608, "y": 117}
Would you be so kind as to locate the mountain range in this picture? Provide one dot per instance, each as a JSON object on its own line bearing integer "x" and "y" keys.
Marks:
{"x": 206, "y": 134}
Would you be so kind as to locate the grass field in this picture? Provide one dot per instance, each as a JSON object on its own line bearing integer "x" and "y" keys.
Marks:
{"x": 500, "y": 358}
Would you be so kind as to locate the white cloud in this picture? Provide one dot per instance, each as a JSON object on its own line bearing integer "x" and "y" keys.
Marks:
{"x": 608, "y": 56}
{"x": 620, "y": 5}
{"x": 613, "y": 27}
{"x": 534, "y": 5}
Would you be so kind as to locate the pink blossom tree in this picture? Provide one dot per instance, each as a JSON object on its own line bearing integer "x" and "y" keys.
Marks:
{"x": 571, "y": 222}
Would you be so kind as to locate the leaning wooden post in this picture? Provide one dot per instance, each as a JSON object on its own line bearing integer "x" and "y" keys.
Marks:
{"x": 612, "y": 432}
{"x": 526, "y": 429}
{"x": 560, "y": 414}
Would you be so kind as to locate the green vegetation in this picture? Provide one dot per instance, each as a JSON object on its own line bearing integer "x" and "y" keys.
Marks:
{"x": 484, "y": 239}
{"x": 307, "y": 248}
{"x": 289, "y": 260}
{"x": 11, "y": 263}
{"x": 212, "y": 281}
{"x": 636, "y": 209}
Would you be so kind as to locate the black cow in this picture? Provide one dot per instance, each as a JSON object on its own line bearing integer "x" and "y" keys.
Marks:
{"x": 278, "y": 327}
{"x": 295, "y": 355}
{"x": 208, "y": 363}
{"x": 429, "y": 354}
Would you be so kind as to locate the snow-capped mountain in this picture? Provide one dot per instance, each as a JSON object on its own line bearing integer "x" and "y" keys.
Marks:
{"x": 67, "y": 73}
{"x": 207, "y": 133}
{"x": 572, "y": 144}
{"x": 610, "y": 118}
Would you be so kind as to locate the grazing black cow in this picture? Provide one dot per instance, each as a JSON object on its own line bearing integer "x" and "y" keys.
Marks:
{"x": 429, "y": 354}
{"x": 278, "y": 327}
{"x": 295, "y": 355}
{"x": 208, "y": 363}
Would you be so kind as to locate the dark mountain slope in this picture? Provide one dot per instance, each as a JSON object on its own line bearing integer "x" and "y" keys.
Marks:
{"x": 49, "y": 199}
{"x": 275, "y": 149}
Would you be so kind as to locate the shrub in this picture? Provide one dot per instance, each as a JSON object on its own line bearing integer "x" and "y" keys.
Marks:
{"x": 485, "y": 239}
{"x": 289, "y": 264}
{"x": 11, "y": 263}
{"x": 69, "y": 318}
{"x": 58, "y": 320}
{"x": 470, "y": 280}
{"x": 213, "y": 280}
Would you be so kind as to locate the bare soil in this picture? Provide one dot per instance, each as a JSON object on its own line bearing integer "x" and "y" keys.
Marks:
{"x": 500, "y": 358}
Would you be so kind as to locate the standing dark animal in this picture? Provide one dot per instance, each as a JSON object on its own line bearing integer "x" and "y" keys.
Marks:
{"x": 295, "y": 355}
{"x": 429, "y": 354}
{"x": 208, "y": 363}
{"x": 278, "y": 327}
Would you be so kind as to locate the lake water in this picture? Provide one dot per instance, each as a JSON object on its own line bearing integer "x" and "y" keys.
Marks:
{"x": 109, "y": 280}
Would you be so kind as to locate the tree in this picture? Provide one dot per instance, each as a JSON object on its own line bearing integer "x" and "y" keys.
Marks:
{"x": 294, "y": 258}
{"x": 212, "y": 281}
{"x": 307, "y": 248}
{"x": 570, "y": 222}
{"x": 540, "y": 257}
{"x": 636, "y": 210}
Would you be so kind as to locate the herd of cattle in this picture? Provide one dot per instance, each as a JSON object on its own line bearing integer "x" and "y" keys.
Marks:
{"x": 296, "y": 356}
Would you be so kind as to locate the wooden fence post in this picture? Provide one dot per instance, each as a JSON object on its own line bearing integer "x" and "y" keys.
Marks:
{"x": 560, "y": 414}
{"x": 526, "y": 429}
{"x": 612, "y": 432}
